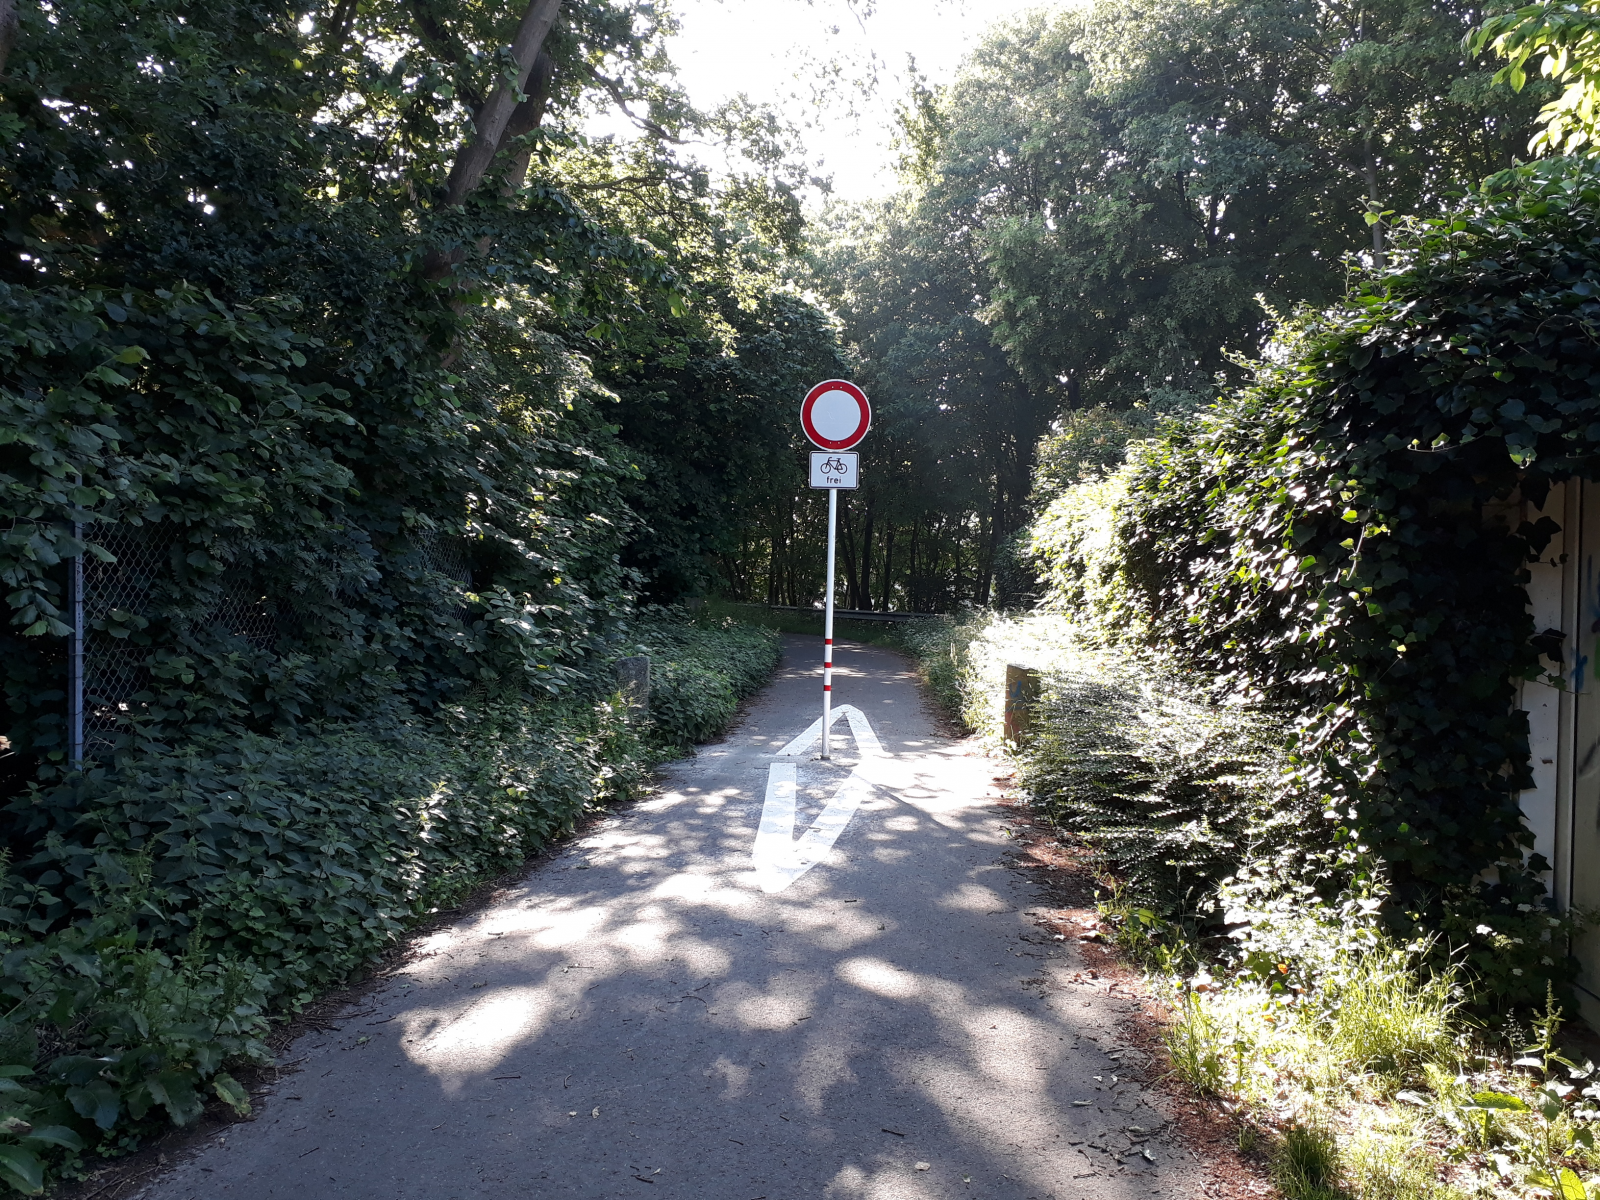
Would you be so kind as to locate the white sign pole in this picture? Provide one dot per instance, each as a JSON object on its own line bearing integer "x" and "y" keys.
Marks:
{"x": 827, "y": 625}
{"x": 835, "y": 416}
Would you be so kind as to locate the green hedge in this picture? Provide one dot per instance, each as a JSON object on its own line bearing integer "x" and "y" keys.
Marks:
{"x": 174, "y": 904}
{"x": 1175, "y": 790}
{"x": 1320, "y": 540}
{"x": 701, "y": 669}
{"x": 942, "y": 648}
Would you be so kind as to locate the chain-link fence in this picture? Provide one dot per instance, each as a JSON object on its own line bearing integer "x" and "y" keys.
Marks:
{"x": 144, "y": 587}
{"x": 448, "y": 555}
{"x": 116, "y": 595}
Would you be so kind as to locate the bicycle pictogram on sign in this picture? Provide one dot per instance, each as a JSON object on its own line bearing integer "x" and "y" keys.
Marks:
{"x": 837, "y": 470}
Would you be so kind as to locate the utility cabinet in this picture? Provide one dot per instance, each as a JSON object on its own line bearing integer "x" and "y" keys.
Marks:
{"x": 1562, "y": 809}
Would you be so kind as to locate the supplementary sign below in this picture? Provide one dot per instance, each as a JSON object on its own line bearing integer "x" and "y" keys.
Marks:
{"x": 779, "y": 859}
{"x": 835, "y": 469}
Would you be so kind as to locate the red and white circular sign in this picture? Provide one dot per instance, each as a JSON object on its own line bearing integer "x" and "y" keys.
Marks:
{"x": 835, "y": 414}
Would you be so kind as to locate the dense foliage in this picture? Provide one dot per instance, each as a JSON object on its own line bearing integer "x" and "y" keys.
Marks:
{"x": 1144, "y": 172}
{"x": 1322, "y": 539}
{"x": 705, "y": 669}
{"x": 182, "y": 899}
{"x": 1092, "y": 215}
{"x": 306, "y": 366}
{"x": 213, "y": 336}
{"x": 1174, "y": 791}
{"x": 709, "y": 412}
{"x": 240, "y": 317}
{"x": 202, "y": 434}
{"x": 1172, "y": 788}
{"x": 1566, "y": 38}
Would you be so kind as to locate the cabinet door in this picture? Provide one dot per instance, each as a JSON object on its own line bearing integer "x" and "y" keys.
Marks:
{"x": 1582, "y": 852}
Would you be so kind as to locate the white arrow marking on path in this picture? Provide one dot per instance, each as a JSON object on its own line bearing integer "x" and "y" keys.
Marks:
{"x": 866, "y": 740}
{"x": 779, "y": 859}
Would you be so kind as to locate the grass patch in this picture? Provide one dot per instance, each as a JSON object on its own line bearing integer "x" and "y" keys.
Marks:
{"x": 1370, "y": 1079}
{"x": 1305, "y": 1164}
{"x": 1389, "y": 1019}
{"x": 1396, "y": 1166}
{"x": 1198, "y": 1047}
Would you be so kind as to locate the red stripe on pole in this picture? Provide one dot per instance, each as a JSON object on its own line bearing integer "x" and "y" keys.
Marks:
{"x": 827, "y": 687}
{"x": 827, "y": 641}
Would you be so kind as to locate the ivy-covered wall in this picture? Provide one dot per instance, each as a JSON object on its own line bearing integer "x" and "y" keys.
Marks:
{"x": 1319, "y": 540}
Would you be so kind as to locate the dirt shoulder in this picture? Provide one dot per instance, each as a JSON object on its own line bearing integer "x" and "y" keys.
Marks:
{"x": 1063, "y": 875}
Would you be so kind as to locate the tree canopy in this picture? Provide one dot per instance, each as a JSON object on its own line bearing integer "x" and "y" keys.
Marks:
{"x": 1105, "y": 208}
{"x": 367, "y": 397}
{"x": 320, "y": 305}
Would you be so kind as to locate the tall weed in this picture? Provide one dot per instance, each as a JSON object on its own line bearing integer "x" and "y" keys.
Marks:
{"x": 1394, "y": 1167}
{"x": 1173, "y": 789}
{"x": 1388, "y": 1016}
{"x": 1305, "y": 1164}
{"x": 1195, "y": 1047}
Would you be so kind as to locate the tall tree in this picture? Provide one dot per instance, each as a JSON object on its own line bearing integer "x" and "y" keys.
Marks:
{"x": 1103, "y": 209}
{"x": 1151, "y": 169}
{"x": 957, "y": 422}
{"x": 308, "y": 303}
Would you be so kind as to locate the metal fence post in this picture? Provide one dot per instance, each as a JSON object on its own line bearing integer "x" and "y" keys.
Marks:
{"x": 75, "y": 647}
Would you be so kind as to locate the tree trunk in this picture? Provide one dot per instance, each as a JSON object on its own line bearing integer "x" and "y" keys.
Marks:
{"x": 525, "y": 118}
{"x": 984, "y": 571}
{"x": 888, "y": 568}
{"x": 848, "y": 545}
{"x": 491, "y": 123}
{"x": 913, "y": 592}
{"x": 772, "y": 569}
{"x": 1374, "y": 203}
{"x": 8, "y": 31}
{"x": 338, "y": 28}
{"x": 864, "y": 599}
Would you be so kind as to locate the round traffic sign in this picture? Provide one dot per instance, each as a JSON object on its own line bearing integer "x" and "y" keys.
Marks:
{"x": 835, "y": 414}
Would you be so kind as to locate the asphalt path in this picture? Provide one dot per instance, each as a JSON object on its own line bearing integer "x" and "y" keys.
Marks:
{"x": 686, "y": 1003}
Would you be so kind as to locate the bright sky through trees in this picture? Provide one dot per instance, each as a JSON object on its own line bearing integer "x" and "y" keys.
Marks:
{"x": 836, "y": 68}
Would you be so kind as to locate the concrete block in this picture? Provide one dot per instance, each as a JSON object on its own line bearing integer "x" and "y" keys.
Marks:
{"x": 1022, "y": 694}
{"x": 633, "y": 678}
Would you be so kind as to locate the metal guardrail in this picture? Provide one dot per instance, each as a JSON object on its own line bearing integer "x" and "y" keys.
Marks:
{"x": 855, "y": 614}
